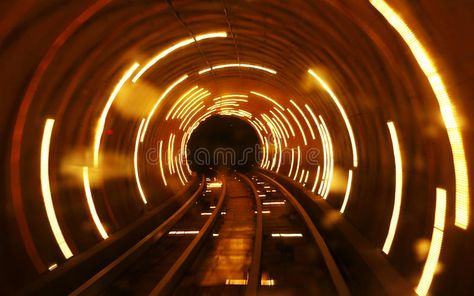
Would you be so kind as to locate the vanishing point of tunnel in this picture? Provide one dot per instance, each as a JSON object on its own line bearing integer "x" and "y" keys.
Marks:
{"x": 236, "y": 147}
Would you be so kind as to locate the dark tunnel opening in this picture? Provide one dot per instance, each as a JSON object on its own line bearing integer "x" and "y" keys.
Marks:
{"x": 223, "y": 143}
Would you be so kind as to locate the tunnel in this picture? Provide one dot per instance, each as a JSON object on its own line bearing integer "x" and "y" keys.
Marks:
{"x": 347, "y": 123}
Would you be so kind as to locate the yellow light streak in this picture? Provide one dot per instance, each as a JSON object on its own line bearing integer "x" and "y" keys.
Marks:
{"x": 292, "y": 162}
{"x": 262, "y": 125}
{"x": 234, "y": 96}
{"x": 286, "y": 120}
{"x": 325, "y": 156}
{"x": 447, "y": 109}
{"x": 90, "y": 203}
{"x": 305, "y": 119}
{"x": 250, "y": 66}
{"x": 180, "y": 167}
{"x": 190, "y": 116}
{"x": 135, "y": 162}
{"x": 431, "y": 263}
{"x": 273, "y": 203}
{"x": 276, "y": 118}
{"x": 183, "y": 232}
{"x": 179, "y": 101}
{"x": 398, "y": 188}
{"x": 301, "y": 176}
{"x": 174, "y": 47}
{"x": 306, "y": 177}
{"x": 191, "y": 104}
{"x": 330, "y": 158}
{"x": 178, "y": 171}
{"x": 46, "y": 190}
{"x": 348, "y": 192}
{"x": 167, "y": 91}
{"x": 299, "y": 126}
{"x": 268, "y": 99}
{"x": 103, "y": 116}
{"x": 343, "y": 113}
{"x": 180, "y": 108}
{"x": 53, "y": 267}
{"x": 316, "y": 179}
{"x": 161, "y": 164}
{"x": 297, "y": 163}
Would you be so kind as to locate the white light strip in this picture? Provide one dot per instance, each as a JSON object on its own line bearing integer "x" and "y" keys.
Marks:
{"x": 431, "y": 263}
{"x": 46, "y": 190}
{"x": 447, "y": 109}
{"x": 174, "y": 47}
{"x": 284, "y": 235}
{"x": 161, "y": 164}
{"x": 167, "y": 91}
{"x": 330, "y": 158}
{"x": 343, "y": 113}
{"x": 101, "y": 123}
{"x": 348, "y": 191}
{"x": 299, "y": 126}
{"x": 135, "y": 162}
{"x": 305, "y": 119}
{"x": 90, "y": 203}
{"x": 179, "y": 101}
{"x": 292, "y": 161}
{"x": 398, "y": 188}
{"x": 316, "y": 179}
{"x": 257, "y": 67}
{"x": 268, "y": 99}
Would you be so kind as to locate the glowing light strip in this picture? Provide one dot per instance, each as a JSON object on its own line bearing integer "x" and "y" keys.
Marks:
{"x": 325, "y": 156}
{"x": 179, "y": 101}
{"x": 46, "y": 190}
{"x": 174, "y": 47}
{"x": 316, "y": 179}
{"x": 90, "y": 203}
{"x": 447, "y": 109}
{"x": 227, "y": 104}
{"x": 180, "y": 167}
{"x": 101, "y": 122}
{"x": 398, "y": 188}
{"x": 286, "y": 120}
{"x": 221, "y": 100}
{"x": 262, "y": 125}
{"x": 285, "y": 235}
{"x": 306, "y": 177}
{"x": 299, "y": 126}
{"x": 292, "y": 161}
{"x": 281, "y": 123}
{"x": 302, "y": 175}
{"x": 279, "y": 129}
{"x": 257, "y": 130}
{"x": 167, "y": 91}
{"x": 305, "y": 119}
{"x": 343, "y": 113}
{"x": 135, "y": 162}
{"x": 173, "y": 136}
{"x": 185, "y": 121}
{"x": 179, "y": 109}
{"x": 348, "y": 191}
{"x": 268, "y": 99}
{"x": 178, "y": 171}
{"x": 232, "y": 96}
{"x": 161, "y": 164}
{"x": 436, "y": 243}
{"x": 191, "y": 104}
{"x": 298, "y": 163}
{"x": 330, "y": 158}
{"x": 257, "y": 67}
{"x": 170, "y": 162}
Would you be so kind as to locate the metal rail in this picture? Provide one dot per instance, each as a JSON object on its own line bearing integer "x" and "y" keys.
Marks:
{"x": 99, "y": 281}
{"x": 333, "y": 269}
{"x": 253, "y": 282}
{"x": 174, "y": 274}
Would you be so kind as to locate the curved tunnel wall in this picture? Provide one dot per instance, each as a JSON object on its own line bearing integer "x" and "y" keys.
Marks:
{"x": 63, "y": 61}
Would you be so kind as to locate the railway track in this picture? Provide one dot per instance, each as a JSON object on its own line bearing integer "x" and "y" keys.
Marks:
{"x": 237, "y": 235}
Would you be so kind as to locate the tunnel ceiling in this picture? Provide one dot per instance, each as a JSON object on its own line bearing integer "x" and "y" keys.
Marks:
{"x": 101, "y": 97}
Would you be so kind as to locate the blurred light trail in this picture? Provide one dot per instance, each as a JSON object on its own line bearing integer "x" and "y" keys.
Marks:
{"x": 446, "y": 106}
{"x": 287, "y": 235}
{"x": 46, "y": 190}
{"x": 135, "y": 162}
{"x": 167, "y": 91}
{"x": 273, "y": 203}
{"x": 299, "y": 126}
{"x": 257, "y": 67}
{"x": 305, "y": 119}
{"x": 191, "y": 103}
{"x": 398, "y": 188}
{"x": 316, "y": 179}
{"x": 431, "y": 263}
{"x": 292, "y": 162}
{"x": 174, "y": 47}
{"x": 161, "y": 163}
{"x": 103, "y": 117}
{"x": 297, "y": 162}
{"x": 276, "y": 118}
{"x": 183, "y": 232}
{"x": 268, "y": 99}
{"x": 179, "y": 101}
{"x": 343, "y": 113}
{"x": 330, "y": 168}
{"x": 189, "y": 98}
{"x": 348, "y": 191}
{"x": 286, "y": 120}
{"x": 90, "y": 203}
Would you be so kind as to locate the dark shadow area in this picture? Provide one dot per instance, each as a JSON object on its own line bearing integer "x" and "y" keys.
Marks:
{"x": 223, "y": 143}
